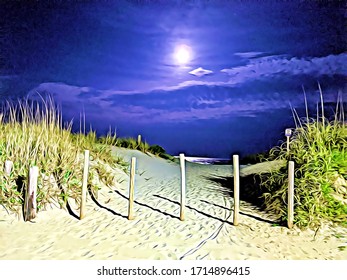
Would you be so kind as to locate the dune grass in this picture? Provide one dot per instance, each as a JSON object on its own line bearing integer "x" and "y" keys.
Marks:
{"x": 33, "y": 134}
{"x": 318, "y": 148}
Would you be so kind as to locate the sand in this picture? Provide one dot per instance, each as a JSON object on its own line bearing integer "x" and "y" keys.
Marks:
{"x": 156, "y": 233}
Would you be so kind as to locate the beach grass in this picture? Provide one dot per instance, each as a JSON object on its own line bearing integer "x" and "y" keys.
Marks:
{"x": 33, "y": 134}
{"x": 318, "y": 148}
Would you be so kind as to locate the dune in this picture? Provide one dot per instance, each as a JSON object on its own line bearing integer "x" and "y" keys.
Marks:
{"x": 157, "y": 233}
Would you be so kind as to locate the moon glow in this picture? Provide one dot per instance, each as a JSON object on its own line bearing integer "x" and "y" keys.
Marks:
{"x": 182, "y": 54}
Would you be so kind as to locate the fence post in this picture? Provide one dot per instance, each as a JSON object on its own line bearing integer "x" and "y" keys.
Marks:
{"x": 84, "y": 184}
{"x": 290, "y": 194}
{"x": 131, "y": 189}
{"x": 8, "y": 167}
{"x": 30, "y": 194}
{"x": 139, "y": 139}
{"x": 183, "y": 186}
{"x": 236, "y": 189}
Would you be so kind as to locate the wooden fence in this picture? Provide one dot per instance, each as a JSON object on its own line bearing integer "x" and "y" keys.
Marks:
{"x": 30, "y": 193}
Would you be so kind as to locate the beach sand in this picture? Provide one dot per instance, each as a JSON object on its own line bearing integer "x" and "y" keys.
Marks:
{"x": 157, "y": 233}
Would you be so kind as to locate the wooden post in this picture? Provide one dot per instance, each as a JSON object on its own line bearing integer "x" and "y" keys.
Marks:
{"x": 236, "y": 189}
{"x": 183, "y": 186}
{"x": 84, "y": 184}
{"x": 290, "y": 194}
{"x": 131, "y": 189}
{"x": 8, "y": 167}
{"x": 288, "y": 144}
{"x": 139, "y": 139}
{"x": 30, "y": 194}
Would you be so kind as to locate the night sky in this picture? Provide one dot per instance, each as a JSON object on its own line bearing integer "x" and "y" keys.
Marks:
{"x": 208, "y": 78}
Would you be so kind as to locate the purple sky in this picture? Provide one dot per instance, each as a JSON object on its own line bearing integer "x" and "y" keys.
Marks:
{"x": 117, "y": 62}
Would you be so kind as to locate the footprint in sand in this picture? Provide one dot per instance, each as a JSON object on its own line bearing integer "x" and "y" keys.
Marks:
{"x": 95, "y": 229}
{"x": 189, "y": 236}
{"x": 138, "y": 245}
{"x": 85, "y": 254}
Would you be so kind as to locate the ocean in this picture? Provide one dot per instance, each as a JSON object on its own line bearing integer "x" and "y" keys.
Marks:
{"x": 206, "y": 160}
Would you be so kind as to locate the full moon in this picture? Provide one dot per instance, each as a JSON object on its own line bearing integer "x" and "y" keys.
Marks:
{"x": 182, "y": 54}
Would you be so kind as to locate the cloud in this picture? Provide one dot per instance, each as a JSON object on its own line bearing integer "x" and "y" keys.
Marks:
{"x": 171, "y": 88}
{"x": 248, "y": 54}
{"x": 184, "y": 105}
{"x": 8, "y": 77}
{"x": 261, "y": 68}
{"x": 267, "y": 67}
{"x": 59, "y": 90}
{"x": 247, "y": 91}
{"x": 257, "y": 69}
{"x": 199, "y": 72}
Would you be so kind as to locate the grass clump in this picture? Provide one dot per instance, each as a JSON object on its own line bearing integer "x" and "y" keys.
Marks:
{"x": 33, "y": 134}
{"x": 318, "y": 148}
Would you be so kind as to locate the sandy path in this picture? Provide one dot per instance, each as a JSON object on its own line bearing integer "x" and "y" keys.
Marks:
{"x": 156, "y": 232}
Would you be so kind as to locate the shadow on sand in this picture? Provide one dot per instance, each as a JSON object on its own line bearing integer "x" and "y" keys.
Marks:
{"x": 194, "y": 209}
{"x": 104, "y": 207}
{"x": 147, "y": 206}
{"x": 250, "y": 192}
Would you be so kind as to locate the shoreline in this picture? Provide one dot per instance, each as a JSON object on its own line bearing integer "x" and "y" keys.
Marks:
{"x": 207, "y": 160}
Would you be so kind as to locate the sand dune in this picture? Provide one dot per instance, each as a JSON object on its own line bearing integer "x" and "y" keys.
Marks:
{"x": 156, "y": 232}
